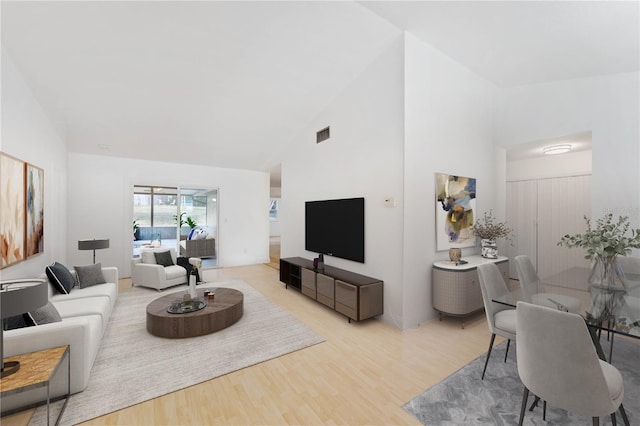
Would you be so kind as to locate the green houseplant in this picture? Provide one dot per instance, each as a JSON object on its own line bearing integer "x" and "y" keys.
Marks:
{"x": 603, "y": 244}
{"x": 136, "y": 231}
{"x": 179, "y": 219}
{"x": 191, "y": 222}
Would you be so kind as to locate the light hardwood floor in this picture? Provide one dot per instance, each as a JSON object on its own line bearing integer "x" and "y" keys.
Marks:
{"x": 362, "y": 374}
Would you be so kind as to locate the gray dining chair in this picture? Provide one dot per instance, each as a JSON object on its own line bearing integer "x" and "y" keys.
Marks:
{"x": 533, "y": 289}
{"x": 557, "y": 361}
{"x": 500, "y": 318}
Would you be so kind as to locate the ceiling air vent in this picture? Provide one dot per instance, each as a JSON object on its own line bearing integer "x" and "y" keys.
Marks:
{"x": 322, "y": 135}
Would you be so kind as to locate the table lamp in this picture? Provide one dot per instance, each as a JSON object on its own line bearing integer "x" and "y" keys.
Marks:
{"x": 93, "y": 245}
{"x": 18, "y": 297}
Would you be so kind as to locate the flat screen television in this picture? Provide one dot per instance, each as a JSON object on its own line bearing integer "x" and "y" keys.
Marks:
{"x": 335, "y": 228}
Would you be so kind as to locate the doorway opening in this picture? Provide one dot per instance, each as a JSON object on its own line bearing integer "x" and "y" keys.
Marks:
{"x": 199, "y": 225}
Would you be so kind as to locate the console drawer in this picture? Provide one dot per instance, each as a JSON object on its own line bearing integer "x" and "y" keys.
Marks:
{"x": 325, "y": 290}
{"x": 347, "y": 299}
{"x": 308, "y": 287}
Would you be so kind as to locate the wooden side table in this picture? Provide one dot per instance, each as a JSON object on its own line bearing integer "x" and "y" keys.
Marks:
{"x": 36, "y": 371}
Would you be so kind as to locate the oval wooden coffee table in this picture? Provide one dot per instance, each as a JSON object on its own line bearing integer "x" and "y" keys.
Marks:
{"x": 225, "y": 310}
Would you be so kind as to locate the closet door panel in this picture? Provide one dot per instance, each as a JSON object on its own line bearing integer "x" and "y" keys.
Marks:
{"x": 562, "y": 205}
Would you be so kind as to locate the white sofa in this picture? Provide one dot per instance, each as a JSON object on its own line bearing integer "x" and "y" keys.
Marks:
{"x": 85, "y": 313}
{"x": 147, "y": 273}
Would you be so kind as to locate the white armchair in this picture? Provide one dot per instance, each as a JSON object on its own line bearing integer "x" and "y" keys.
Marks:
{"x": 147, "y": 273}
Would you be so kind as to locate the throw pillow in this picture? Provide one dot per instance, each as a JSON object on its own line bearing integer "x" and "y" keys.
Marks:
{"x": 45, "y": 315}
{"x": 18, "y": 321}
{"x": 60, "y": 277}
{"x": 190, "y": 236}
{"x": 148, "y": 257}
{"x": 164, "y": 258}
{"x": 89, "y": 275}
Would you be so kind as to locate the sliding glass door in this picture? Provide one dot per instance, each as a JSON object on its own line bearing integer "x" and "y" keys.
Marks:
{"x": 154, "y": 216}
{"x": 199, "y": 224}
{"x": 185, "y": 219}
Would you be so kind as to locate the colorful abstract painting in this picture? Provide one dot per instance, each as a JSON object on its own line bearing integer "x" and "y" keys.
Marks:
{"x": 455, "y": 206}
{"x": 12, "y": 219}
{"x": 35, "y": 210}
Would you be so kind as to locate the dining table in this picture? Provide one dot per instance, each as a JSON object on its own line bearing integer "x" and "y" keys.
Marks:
{"x": 610, "y": 310}
{"x": 613, "y": 310}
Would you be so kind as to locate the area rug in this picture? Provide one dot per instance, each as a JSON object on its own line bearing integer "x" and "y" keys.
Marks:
{"x": 133, "y": 366}
{"x": 463, "y": 398}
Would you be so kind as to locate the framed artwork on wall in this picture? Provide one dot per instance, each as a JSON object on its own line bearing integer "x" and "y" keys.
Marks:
{"x": 455, "y": 206}
{"x": 34, "y": 210}
{"x": 12, "y": 210}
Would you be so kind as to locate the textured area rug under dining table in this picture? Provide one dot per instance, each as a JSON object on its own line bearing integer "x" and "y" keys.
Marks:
{"x": 463, "y": 398}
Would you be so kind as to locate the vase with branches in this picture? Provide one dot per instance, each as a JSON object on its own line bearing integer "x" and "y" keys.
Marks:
{"x": 489, "y": 229}
{"x": 603, "y": 243}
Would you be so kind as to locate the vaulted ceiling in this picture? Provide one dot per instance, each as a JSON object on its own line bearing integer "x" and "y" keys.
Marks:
{"x": 229, "y": 84}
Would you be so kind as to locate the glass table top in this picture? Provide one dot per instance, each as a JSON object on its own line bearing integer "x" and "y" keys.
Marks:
{"x": 615, "y": 309}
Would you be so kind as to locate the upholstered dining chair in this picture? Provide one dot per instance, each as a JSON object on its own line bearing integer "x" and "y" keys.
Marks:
{"x": 533, "y": 289}
{"x": 557, "y": 361}
{"x": 500, "y": 318}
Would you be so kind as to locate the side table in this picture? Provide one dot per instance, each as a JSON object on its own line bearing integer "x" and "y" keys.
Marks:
{"x": 36, "y": 371}
{"x": 456, "y": 288}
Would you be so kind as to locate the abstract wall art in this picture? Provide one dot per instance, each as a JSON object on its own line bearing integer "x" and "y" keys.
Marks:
{"x": 12, "y": 210}
{"x": 35, "y": 210}
{"x": 455, "y": 206}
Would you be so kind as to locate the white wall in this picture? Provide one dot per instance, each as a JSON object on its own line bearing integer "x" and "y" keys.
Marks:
{"x": 101, "y": 197}
{"x": 609, "y": 106}
{"x": 363, "y": 158}
{"x": 412, "y": 113}
{"x": 28, "y": 134}
{"x": 562, "y": 165}
{"x": 448, "y": 129}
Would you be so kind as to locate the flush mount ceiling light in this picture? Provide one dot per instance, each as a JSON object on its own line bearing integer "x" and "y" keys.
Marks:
{"x": 556, "y": 149}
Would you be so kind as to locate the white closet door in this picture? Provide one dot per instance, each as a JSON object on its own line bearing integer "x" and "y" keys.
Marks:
{"x": 562, "y": 205}
{"x": 522, "y": 211}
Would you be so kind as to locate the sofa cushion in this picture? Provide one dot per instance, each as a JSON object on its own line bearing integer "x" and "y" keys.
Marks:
{"x": 109, "y": 290}
{"x": 164, "y": 258}
{"x": 99, "y": 305}
{"x": 89, "y": 275}
{"x": 60, "y": 277}
{"x": 175, "y": 271}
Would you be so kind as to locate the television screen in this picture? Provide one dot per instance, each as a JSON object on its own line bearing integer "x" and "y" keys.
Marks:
{"x": 336, "y": 228}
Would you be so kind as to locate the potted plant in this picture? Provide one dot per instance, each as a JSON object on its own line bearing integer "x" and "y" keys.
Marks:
{"x": 191, "y": 222}
{"x": 180, "y": 219}
{"x": 603, "y": 244}
{"x": 136, "y": 230}
{"x": 488, "y": 229}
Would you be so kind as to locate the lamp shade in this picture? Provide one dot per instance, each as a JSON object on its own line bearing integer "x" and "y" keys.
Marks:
{"x": 93, "y": 244}
{"x": 22, "y": 296}
{"x": 18, "y": 297}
